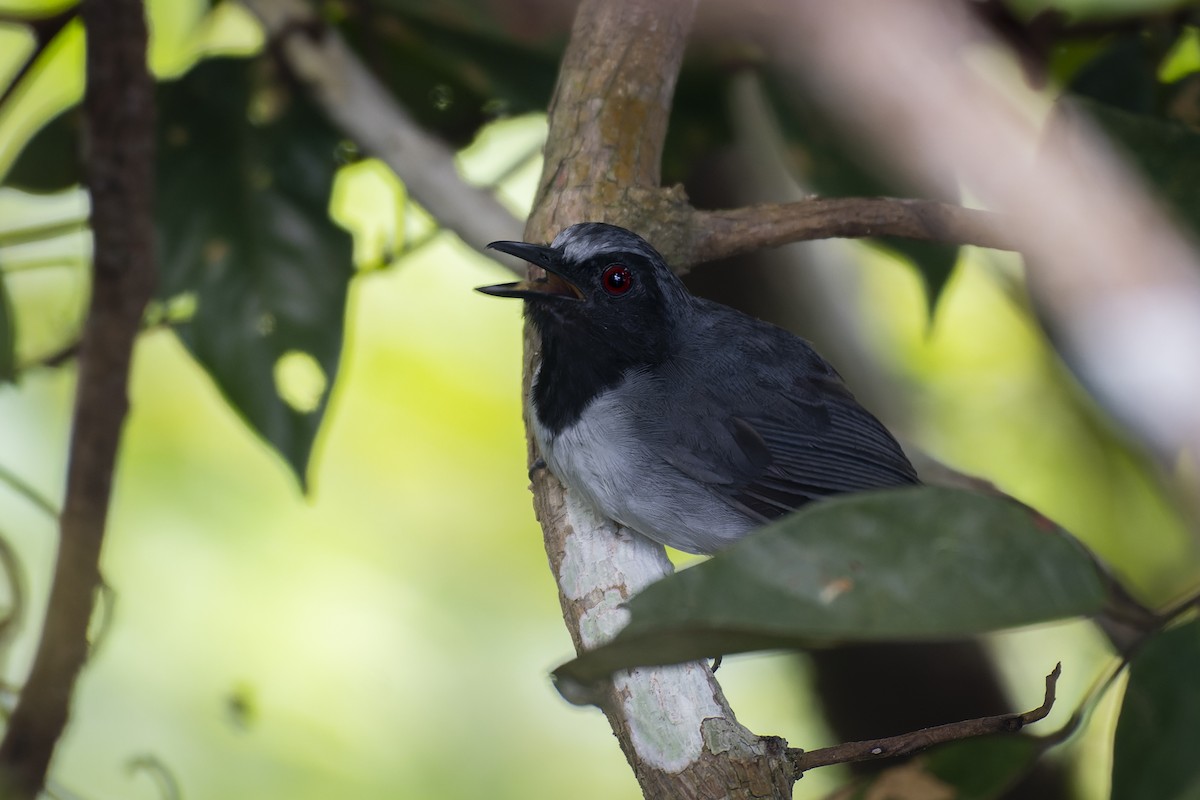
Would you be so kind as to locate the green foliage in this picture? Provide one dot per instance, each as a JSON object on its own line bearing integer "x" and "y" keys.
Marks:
{"x": 971, "y": 769}
{"x": 980, "y": 769}
{"x": 920, "y": 564}
{"x": 245, "y": 172}
{"x": 827, "y": 159}
{"x": 8, "y": 356}
{"x": 1154, "y": 123}
{"x": 245, "y": 169}
{"x": 1167, "y": 153}
{"x": 1154, "y": 752}
{"x": 49, "y": 162}
{"x": 453, "y": 81}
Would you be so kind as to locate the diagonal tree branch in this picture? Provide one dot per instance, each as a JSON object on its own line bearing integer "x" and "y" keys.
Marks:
{"x": 364, "y": 109}
{"x": 368, "y": 113}
{"x": 1117, "y": 281}
{"x": 119, "y": 119}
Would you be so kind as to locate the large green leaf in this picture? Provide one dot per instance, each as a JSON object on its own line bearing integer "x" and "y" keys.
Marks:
{"x": 1154, "y": 755}
{"x": 245, "y": 171}
{"x": 49, "y": 161}
{"x": 924, "y": 563}
{"x": 828, "y": 160}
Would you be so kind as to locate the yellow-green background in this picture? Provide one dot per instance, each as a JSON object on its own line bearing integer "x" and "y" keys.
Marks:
{"x": 390, "y": 634}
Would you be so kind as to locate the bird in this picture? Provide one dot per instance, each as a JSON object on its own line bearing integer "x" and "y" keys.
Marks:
{"x": 682, "y": 419}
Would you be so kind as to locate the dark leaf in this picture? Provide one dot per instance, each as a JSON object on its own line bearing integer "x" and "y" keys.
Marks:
{"x": 452, "y": 79}
{"x": 924, "y": 563}
{"x": 49, "y": 162}
{"x": 8, "y": 336}
{"x": 827, "y": 160}
{"x": 245, "y": 171}
{"x": 1124, "y": 75}
{"x": 983, "y": 768}
{"x": 1167, "y": 153}
{"x": 970, "y": 769}
{"x": 1154, "y": 754}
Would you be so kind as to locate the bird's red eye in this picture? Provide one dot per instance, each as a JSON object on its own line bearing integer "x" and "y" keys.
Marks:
{"x": 617, "y": 279}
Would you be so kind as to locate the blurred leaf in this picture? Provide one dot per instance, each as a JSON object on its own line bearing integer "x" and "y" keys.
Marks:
{"x": 1154, "y": 753}
{"x": 8, "y": 336}
{"x": 971, "y": 769}
{"x": 923, "y": 563}
{"x": 452, "y": 80}
{"x": 49, "y": 162}
{"x": 827, "y": 160}
{"x": 983, "y": 768}
{"x": 1123, "y": 75}
{"x": 245, "y": 171}
{"x": 1167, "y": 154}
{"x": 1183, "y": 58}
{"x": 698, "y": 126}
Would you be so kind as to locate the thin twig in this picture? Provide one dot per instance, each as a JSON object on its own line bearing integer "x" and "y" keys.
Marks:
{"x": 23, "y": 488}
{"x": 908, "y": 743}
{"x": 11, "y": 623}
{"x": 152, "y": 765}
{"x": 55, "y": 358}
{"x": 39, "y": 233}
{"x": 721, "y": 234}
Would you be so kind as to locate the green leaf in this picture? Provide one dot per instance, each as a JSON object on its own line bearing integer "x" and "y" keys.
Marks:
{"x": 1124, "y": 75}
{"x": 828, "y": 161}
{"x": 924, "y": 563}
{"x": 452, "y": 78}
{"x": 8, "y": 336}
{"x": 245, "y": 171}
{"x": 1166, "y": 153}
{"x": 49, "y": 162}
{"x": 1154, "y": 754}
{"x": 984, "y": 768}
{"x": 971, "y": 769}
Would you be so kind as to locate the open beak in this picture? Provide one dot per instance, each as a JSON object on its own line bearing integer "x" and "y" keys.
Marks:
{"x": 553, "y": 284}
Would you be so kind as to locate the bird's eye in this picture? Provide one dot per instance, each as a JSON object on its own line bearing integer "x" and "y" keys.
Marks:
{"x": 617, "y": 279}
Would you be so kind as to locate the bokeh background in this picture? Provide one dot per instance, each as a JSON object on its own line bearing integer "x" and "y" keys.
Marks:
{"x": 390, "y": 633}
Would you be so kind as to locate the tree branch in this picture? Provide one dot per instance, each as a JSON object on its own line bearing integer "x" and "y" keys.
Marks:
{"x": 608, "y": 122}
{"x": 368, "y": 113}
{"x": 721, "y": 234}
{"x": 119, "y": 119}
{"x": 1118, "y": 283}
{"x": 909, "y": 743}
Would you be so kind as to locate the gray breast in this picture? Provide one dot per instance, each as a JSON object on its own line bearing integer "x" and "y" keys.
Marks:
{"x": 608, "y": 457}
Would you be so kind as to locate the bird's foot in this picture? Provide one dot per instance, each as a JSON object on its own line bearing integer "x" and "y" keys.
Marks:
{"x": 536, "y": 467}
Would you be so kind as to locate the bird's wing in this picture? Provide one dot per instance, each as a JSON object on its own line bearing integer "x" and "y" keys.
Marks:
{"x": 769, "y": 458}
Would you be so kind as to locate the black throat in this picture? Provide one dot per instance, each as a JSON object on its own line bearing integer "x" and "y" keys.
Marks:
{"x": 576, "y": 369}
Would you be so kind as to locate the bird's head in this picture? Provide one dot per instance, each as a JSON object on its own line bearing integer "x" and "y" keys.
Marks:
{"x": 601, "y": 282}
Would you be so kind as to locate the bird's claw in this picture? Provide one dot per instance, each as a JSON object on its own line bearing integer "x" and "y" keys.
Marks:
{"x": 536, "y": 467}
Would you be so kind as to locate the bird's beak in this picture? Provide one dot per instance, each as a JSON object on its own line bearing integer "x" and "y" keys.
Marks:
{"x": 553, "y": 284}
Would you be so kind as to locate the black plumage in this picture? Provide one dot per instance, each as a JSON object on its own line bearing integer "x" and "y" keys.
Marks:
{"x": 681, "y": 418}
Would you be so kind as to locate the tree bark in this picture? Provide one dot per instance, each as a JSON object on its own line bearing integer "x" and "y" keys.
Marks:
{"x": 119, "y": 137}
{"x": 608, "y": 121}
